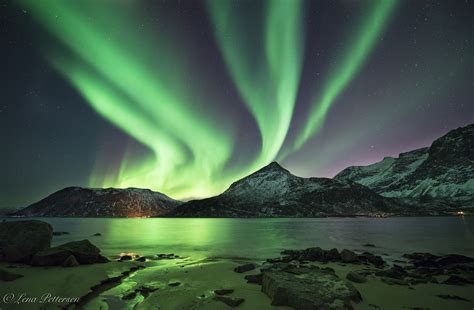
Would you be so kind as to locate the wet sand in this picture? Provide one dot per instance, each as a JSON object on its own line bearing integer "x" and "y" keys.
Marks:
{"x": 193, "y": 281}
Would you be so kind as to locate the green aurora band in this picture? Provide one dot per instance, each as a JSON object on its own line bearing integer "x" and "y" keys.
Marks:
{"x": 160, "y": 103}
{"x": 347, "y": 67}
{"x": 189, "y": 147}
{"x": 265, "y": 65}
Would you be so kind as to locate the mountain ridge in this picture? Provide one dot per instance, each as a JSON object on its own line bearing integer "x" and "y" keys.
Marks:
{"x": 427, "y": 181}
{"x": 445, "y": 170}
{"x": 97, "y": 202}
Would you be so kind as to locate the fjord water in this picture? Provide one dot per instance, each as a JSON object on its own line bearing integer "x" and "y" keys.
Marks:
{"x": 263, "y": 238}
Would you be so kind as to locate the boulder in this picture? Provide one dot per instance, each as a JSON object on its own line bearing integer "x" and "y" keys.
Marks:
{"x": 375, "y": 260}
{"x": 356, "y": 277}
{"x": 332, "y": 255}
{"x": 50, "y": 257}
{"x": 308, "y": 289}
{"x": 83, "y": 251}
{"x": 244, "y": 268}
{"x": 348, "y": 256}
{"x": 313, "y": 254}
{"x": 20, "y": 240}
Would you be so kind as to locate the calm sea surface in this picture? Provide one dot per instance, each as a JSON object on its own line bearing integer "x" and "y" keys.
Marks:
{"x": 263, "y": 238}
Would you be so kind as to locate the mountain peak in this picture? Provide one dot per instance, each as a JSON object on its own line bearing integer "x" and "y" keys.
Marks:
{"x": 273, "y": 166}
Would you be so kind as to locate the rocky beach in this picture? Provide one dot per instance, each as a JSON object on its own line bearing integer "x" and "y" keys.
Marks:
{"x": 75, "y": 275}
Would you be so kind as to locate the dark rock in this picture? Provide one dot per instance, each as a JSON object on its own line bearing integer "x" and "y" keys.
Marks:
{"x": 375, "y": 260}
{"x": 60, "y": 233}
{"x": 453, "y": 297}
{"x": 244, "y": 268}
{"x": 313, "y": 254}
{"x": 423, "y": 260}
{"x": 125, "y": 258}
{"x": 332, "y": 255}
{"x": 356, "y": 277}
{"x": 70, "y": 262}
{"x": 84, "y": 252}
{"x": 454, "y": 259}
{"x": 348, "y": 256}
{"x": 308, "y": 288}
{"x": 9, "y": 276}
{"x": 230, "y": 301}
{"x": 20, "y": 240}
{"x": 141, "y": 259}
{"x": 174, "y": 283}
{"x": 130, "y": 296}
{"x": 254, "y": 278}
{"x": 370, "y": 258}
{"x": 97, "y": 235}
{"x": 102, "y": 259}
{"x": 457, "y": 280}
{"x": 50, "y": 257}
{"x": 369, "y": 245}
{"x": 146, "y": 289}
{"x": 396, "y": 272}
{"x": 224, "y": 291}
{"x": 166, "y": 256}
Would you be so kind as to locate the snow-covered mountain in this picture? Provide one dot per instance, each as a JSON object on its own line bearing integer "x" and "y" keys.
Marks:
{"x": 108, "y": 202}
{"x": 274, "y": 191}
{"x": 445, "y": 171}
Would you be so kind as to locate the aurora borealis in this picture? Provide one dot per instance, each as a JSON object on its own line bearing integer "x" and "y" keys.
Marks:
{"x": 185, "y": 97}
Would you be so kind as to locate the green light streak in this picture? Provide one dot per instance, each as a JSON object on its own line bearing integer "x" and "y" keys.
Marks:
{"x": 156, "y": 105}
{"x": 267, "y": 76}
{"x": 346, "y": 69}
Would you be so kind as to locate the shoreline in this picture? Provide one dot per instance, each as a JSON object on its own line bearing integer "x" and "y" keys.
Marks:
{"x": 190, "y": 283}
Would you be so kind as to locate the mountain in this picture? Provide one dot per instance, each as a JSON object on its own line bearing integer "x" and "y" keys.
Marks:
{"x": 273, "y": 191}
{"x": 109, "y": 202}
{"x": 444, "y": 171}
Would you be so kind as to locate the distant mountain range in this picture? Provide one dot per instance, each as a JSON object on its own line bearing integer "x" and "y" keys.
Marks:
{"x": 427, "y": 181}
{"x": 443, "y": 171}
{"x": 109, "y": 202}
{"x": 274, "y": 192}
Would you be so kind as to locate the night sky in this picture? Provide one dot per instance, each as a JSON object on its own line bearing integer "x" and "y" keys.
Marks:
{"x": 184, "y": 97}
